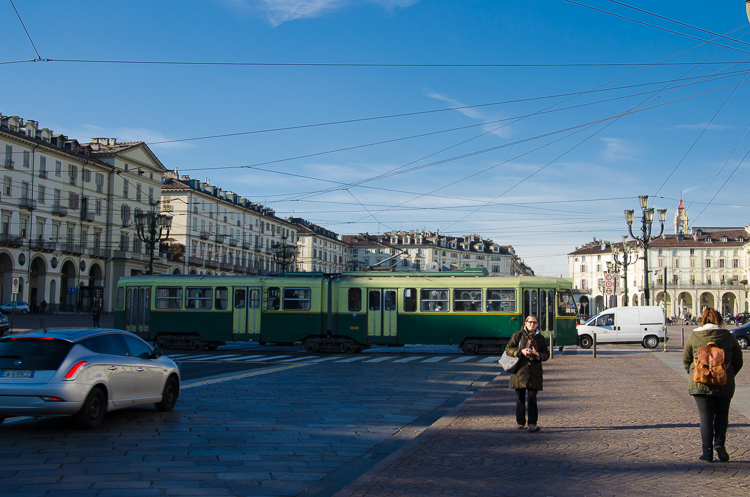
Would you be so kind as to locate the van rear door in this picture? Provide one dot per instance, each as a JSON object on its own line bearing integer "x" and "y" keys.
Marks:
{"x": 628, "y": 325}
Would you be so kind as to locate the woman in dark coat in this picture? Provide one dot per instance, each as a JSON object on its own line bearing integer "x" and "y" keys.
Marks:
{"x": 531, "y": 349}
{"x": 713, "y": 400}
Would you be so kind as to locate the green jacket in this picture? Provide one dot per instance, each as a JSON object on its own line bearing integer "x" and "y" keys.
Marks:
{"x": 732, "y": 353}
{"x": 529, "y": 374}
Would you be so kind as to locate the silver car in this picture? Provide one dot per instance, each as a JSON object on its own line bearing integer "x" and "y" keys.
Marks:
{"x": 83, "y": 373}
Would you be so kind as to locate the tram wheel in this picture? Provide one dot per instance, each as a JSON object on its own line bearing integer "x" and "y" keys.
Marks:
{"x": 213, "y": 346}
{"x": 199, "y": 346}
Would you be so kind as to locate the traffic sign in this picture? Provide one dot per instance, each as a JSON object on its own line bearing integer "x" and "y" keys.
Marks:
{"x": 16, "y": 284}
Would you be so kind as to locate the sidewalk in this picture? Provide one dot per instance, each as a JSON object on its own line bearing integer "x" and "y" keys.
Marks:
{"x": 620, "y": 424}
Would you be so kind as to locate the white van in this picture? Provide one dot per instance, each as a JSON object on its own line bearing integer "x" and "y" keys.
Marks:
{"x": 646, "y": 325}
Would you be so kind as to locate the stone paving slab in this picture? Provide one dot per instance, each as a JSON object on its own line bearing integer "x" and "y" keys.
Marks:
{"x": 620, "y": 424}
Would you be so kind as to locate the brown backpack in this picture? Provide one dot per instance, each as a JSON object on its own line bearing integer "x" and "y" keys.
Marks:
{"x": 710, "y": 368}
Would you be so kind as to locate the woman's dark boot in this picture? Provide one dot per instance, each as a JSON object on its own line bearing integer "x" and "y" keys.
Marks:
{"x": 708, "y": 453}
{"x": 722, "y": 453}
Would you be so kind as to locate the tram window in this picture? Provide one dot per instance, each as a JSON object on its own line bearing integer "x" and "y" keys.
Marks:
{"x": 273, "y": 299}
{"x": 168, "y": 298}
{"x": 355, "y": 299}
{"x": 239, "y": 298}
{"x": 410, "y": 299}
{"x": 373, "y": 300}
{"x": 434, "y": 300}
{"x": 467, "y": 300}
{"x": 254, "y": 298}
{"x": 198, "y": 298}
{"x": 566, "y": 305}
{"x": 120, "y": 298}
{"x": 389, "y": 301}
{"x": 296, "y": 299}
{"x": 222, "y": 298}
{"x": 551, "y": 310}
{"x": 501, "y": 300}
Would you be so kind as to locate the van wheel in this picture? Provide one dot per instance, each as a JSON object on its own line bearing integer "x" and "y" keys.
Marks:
{"x": 651, "y": 342}
{"x": 92, "y": 412}
{"x": 585, "y": 341}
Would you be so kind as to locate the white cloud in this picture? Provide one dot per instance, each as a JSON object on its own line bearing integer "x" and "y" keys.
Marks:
{"x": 277, "y": 12}
{"x": 502, "y": 130}
{"x": 617, "y": 149}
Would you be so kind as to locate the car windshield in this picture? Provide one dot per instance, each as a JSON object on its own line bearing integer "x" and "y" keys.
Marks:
{"x": 33, "y": 354}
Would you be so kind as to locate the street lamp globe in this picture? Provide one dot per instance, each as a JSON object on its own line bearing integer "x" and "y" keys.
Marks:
{"x": 629, "y": 213}
{"x": 662, "y": 215}
{"x": 747, "y": 7}
{"x": 644, "y": 201}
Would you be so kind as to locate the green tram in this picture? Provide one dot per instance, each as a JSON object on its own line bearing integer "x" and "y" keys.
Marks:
{"x": 344, "y": 313}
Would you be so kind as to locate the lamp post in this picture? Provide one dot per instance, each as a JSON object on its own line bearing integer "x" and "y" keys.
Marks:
{"x": 616, "y": 265}
{"x": 151, "y": 226}
{"x": 284, "y": 254}
{"x": 647, "y": 220}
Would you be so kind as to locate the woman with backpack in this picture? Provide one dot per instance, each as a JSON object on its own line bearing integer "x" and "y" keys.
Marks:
{"x": 712, "y": 357}
{"x": 531, "y": 349}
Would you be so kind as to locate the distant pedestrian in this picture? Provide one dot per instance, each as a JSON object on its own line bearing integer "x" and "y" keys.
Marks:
{"x": 529, "y": 346}
{"x": 79, "y": 307}
{"x": 97, "y": 316}
{"x": 713, "y": 400}
{"x": 43, "y": 306}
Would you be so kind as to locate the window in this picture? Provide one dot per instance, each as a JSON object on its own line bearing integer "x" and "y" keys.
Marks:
{"x": 107, "y": 344}
{"x": 273, "y": 299}
{"x": 434, "y": 300}
{"x": 566, "y": 304}
{"x": 73, "y": 199}
{"x": 151, "y": 193}
{"x": 100, "y": 182}
{"x": 138, "y": 192}
{"x": 297, "y": 299}
{"x": 675, "y": 263}
{"x": 501, "y": 300}
{"x": 583, "y": 268}
{"x": 125, "y": 189}
{"x": 41, "y": 194}
{"x": 692, "y": 251}
{"x": 721, "y": 262}
{"x": 26, "y": 158}
{"x": 198, "y": 298}
{"x": 86, "y": 176}
{"x": 410, "y": 299}
{"x": 598, "y": 268}
{"x": 692, "y": 262}
{"x": 708, "y": 262}
{"x": 7, "y": 190}
{"x": 355, "y": 299}
{"x": 72, "y": 173}
{"x": 467, "y": 300}
{"x": 222, "y": 298}
{"x": 735, "y": 263}
{"x": 125, "y": 214}
{"x": 42, "y": 166}
{"x": 120, "y": 301}
{"x": 58, "y": 168}
{"x": 169, "y": 298}
{"x": 24, "y": 189}
{"x": 136, "y": 348}
{"x": 98, "y": 207}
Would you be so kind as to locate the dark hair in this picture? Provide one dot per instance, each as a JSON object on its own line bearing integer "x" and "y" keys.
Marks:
{"x": 711, "y": 316}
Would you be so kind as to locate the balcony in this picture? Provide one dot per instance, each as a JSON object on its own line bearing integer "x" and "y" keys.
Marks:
{"x": 99, "y": 253}
{"x": 212, "y": 264}
{"x": 43, "y": 245}
{"x": 219, "y": 238}
{"x": 27, "y": 203}
{"x": 13, "y": 241}
{"x": 205, "y": 235}
{"x": 196, "y": 261}
{"x": 8, "y": 164}
{"x": 233, "y": 242}
{"x": 246, "y": 245}
{"x": 239, "y": 269}
{"x": 72, "y": 248}
{"x": 89, "y": 216}
{"x": 225, "y": 266}
{"x": 59, "y": 210}
{"x": 43, "y": 173}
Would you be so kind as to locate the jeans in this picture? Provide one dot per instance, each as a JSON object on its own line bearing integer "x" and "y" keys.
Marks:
{"x": 521, "y": 406}
{"x": 714, "y": 414}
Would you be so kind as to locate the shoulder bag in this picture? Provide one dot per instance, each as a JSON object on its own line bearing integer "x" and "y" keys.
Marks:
{"x": 508, "y": 363}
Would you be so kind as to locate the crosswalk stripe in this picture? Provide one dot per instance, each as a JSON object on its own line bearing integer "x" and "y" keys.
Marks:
{"x": 461, "y": 359}
{"x": 407, "y": 359}
{"x": 380, "y": 359}
{"x": 175, "y": 356}
{"x": 199, "y": 357}
{"x": 248, "y": 357}
{"x": 326, "y": 359}
{"x": 299, "y": 358}
{"x": 231, "y": 357}
{"x": 264, "y": 358}
{"x": 489, "y": 359}
{"x": 352, "y": 359}
{"x": 435, "y": 359}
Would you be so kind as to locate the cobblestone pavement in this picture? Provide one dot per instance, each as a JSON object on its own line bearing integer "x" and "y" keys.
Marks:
{"x": 620, "y": 424}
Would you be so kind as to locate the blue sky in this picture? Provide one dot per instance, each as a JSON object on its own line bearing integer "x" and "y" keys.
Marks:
{"x": 511, "y": 130}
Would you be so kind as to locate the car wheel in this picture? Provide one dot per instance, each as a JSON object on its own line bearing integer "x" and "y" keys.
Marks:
{"x": 651, "y": 342}
{"x": 743, "y": 341}
{"x": 92, "y": 412}
{"x": 585, "y": 341}
{"x": 169, "y": 395}
{"x": 24, "y": 311}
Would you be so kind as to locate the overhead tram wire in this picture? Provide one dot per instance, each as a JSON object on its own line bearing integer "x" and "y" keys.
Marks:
{"x": 38, "y": 57}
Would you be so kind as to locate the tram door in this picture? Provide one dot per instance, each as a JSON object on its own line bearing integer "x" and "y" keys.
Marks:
{"x": 541, "y": 303}
{"x": 246, "y": 311}
{"x": 138, "y": 310}
{"x": 382, "y": 313}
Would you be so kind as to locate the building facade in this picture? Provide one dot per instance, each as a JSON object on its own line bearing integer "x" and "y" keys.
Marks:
{"x": 688, "y": 271}
{"x": 427, "y": 251}
{"x": 59, "y": 206}
{"x": 220, "y": 232}
{"x": 319, "y": 249}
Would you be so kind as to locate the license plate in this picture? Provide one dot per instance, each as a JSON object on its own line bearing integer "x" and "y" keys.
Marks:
{"x": 15, "y": 373}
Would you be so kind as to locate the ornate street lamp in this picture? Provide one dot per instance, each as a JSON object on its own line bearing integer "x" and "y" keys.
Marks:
{"x": 617, "y": 265}
{"x": 153, "y": 228}
{"x": 284, "y": 254}
{"x": 747, "y": 7}
{"x": 647, "y": 220}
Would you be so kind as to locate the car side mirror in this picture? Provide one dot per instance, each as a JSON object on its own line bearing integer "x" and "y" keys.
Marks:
{"x": 157, "y": 353}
